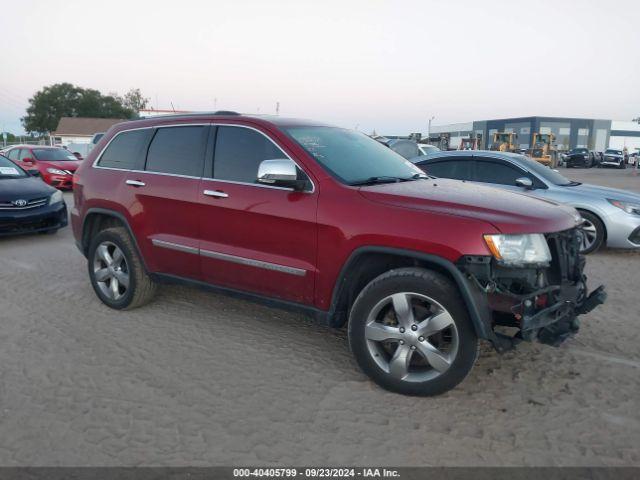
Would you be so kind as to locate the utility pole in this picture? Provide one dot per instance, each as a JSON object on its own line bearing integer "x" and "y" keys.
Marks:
{"x": 429, "y": 129}
{"x": 277, "y": 108}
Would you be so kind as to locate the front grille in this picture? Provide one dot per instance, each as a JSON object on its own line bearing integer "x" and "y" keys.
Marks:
{"x": 35, "y": 203}
{"x": 28, "y": 226}
{"x": 566, "y": 262}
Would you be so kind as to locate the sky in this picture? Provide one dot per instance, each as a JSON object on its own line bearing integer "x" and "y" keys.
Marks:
{"x": 374, "y": 64}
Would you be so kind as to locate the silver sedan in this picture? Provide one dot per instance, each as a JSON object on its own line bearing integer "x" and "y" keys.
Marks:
{"x": 611, "y": 216}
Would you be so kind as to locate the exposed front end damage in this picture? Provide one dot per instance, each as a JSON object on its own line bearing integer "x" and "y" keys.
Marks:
{"x": 542, "y": 301}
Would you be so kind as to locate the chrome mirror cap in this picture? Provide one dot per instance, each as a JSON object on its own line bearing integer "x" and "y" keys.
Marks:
{"x": 524, "y": 182}
{"x": 280, "y": 172}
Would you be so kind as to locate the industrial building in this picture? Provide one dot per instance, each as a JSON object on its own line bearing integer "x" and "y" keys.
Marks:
{"x": 569, "y": 132}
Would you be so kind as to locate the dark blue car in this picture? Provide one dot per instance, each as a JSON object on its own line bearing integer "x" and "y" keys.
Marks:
{"x": 27, "y": 204}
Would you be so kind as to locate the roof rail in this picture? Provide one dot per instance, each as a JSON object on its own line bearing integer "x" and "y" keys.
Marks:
{"x": 192, "y": 114}
{"x": 225, "y": 112}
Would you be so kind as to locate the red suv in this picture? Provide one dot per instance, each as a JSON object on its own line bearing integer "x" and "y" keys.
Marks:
{"x": 332, "y": 223}
{"x": 56, "y": 165}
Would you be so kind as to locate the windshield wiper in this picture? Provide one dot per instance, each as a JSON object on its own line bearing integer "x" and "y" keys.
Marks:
{"x": 387, "y": 179}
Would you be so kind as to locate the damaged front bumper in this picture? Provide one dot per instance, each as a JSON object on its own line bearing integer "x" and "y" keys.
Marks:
{"x": 542, "y": 302}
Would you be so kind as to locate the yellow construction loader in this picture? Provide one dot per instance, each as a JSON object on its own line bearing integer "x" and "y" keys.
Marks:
{"x": 504, "y": 141}
{"x": 543, "y": 149}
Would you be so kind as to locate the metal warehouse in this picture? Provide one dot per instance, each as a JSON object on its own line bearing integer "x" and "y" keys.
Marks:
{"x": 569, "y": 133}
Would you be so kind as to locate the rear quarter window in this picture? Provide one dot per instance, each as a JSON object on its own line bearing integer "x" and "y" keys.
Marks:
{"x": 126, "y": 150}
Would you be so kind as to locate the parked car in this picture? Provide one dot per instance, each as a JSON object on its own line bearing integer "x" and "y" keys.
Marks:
{"x": 613, "y": 158}
{"x": 27, "y": 204}
{"x": 94, "y": 141}
{"x": 426, "y": 149}
{"x": 579, "y": 157}
{"x": 330, "y": 222}
{"x": 56, "y": 165}
{"x": 611, "y": 216}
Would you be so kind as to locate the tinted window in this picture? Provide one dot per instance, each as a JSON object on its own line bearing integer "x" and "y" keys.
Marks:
{"x": 458, "y": 169}
{"x": 52, "y": 154}
{"x": 239, "y": 152}
{"x": 178, "y": 150}
{"x": 14, "y": 154}
{"x": 25, "y": 153}
{"x": 494, "y": 172}
{"x": 126, "y": 150}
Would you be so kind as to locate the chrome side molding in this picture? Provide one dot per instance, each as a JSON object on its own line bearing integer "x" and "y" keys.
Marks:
{"x": 229, "y": 258}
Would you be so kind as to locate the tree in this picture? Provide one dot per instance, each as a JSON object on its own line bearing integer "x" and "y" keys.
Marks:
{"x": 48, "y": 105}
{"x": 637, "y": 119}
{"x": 134, "y": 100}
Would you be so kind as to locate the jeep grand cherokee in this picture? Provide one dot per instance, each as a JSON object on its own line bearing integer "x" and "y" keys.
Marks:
{"x": 330, "y": 222}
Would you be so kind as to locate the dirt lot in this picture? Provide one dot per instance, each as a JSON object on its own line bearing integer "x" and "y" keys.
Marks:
{"x": 200, "y": 379}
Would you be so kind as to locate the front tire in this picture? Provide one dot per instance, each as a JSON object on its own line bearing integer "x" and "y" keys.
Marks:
{"x": 410, "y": 332}
{"x": 592, "y": 233}
{"x": 116, "y": 271}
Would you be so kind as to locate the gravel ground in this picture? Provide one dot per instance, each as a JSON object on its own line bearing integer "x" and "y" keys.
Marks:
{"x": 202, "y": 379}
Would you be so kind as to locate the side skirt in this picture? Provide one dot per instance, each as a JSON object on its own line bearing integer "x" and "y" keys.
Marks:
{"x": 317, "y": 315}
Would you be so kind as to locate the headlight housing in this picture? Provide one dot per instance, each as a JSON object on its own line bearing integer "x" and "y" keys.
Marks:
{"x": 56, "y": 171}
{"x": 518, "y": 250}
{"x": 56, "y": 197}
{"x": 629, "y": 207}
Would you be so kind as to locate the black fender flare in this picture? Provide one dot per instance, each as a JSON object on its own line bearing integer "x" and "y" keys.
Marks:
{"x": 474, "y": 299}
{"x": 111, "y": 213}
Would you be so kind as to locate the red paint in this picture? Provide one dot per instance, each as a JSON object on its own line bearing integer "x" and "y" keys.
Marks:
{"x": 62, "y": 182}
{"x": 316, "y": 232}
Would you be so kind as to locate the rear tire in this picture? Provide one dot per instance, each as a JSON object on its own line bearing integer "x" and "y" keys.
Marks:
{"x": 116, "y": 271}
{"x": 427, "y": 348}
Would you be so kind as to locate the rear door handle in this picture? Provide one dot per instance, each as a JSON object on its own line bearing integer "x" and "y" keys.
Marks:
{"x": 135, "y": 183}
{"x": 216, "y": 193}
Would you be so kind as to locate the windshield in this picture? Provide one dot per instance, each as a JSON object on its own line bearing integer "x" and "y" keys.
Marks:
{"x": 579, "y": 150}
{"x": 613, "y": 152}
{"x": 546, "y": 173}
{"x": 53, "y": 154}
{"x": 8, "y": 169}
{"x": 352, "y": 157}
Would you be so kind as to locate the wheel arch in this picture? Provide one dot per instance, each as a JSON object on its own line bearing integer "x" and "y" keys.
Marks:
{"x": 97, "y": 219}
{"x": 366, "y": 263}
{"x": 599, "y": 217}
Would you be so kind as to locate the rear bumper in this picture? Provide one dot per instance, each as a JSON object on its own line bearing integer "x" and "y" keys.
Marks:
{"x": 51, "y": 217}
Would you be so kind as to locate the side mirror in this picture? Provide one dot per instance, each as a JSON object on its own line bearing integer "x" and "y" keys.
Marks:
{"x": 280, "y": 173}
{"x": 28, "y": 160}
{"x": 524, "y": 182}
{"x": 34, "y": 173}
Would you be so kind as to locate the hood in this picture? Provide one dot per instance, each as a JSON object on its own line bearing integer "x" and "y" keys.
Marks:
{"x": 509, "y": 212}
{"x": 603, "y": 192}
{"x": 70, "y": 165}
{"x": 25, "y": 188}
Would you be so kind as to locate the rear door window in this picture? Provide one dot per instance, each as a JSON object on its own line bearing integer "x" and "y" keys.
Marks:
{"x": 178, "y": 150}
{"x": 127, "y": 150}
{"x": 239, "y": 152}
{"x": 458, "y": 169}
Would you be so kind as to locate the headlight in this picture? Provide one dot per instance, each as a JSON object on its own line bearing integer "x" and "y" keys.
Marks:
{"x": 55, "y": 171}
{"x": 518, "y": 250}
{"x": 629, "y": 207}
{"x": 55, "y": 197}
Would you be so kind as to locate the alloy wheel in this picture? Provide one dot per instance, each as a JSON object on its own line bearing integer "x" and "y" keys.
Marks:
{"x": 411, "y": 337}
{"x": 110, "y": 270}
{"x": 589, "y": 235}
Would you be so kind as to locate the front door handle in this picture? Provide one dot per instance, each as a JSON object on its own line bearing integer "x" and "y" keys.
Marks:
{"x": 216, "y": 193}
{"x": 135, "y": 183}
